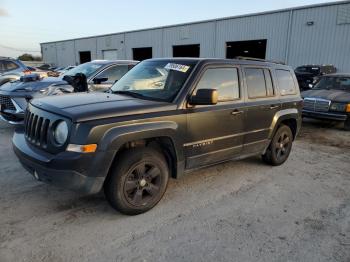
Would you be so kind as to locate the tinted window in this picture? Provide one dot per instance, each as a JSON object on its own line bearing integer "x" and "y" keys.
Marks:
{"x": 114, "y": 73}
{"x": 255, "y": 82}
{"x": 10, "y": 65}
{"x": 285, "y": 82}
{"x": 225, "y": 80}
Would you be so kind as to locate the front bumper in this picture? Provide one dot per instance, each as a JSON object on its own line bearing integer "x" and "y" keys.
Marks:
{"x": 325, "y": 115}
{"x": 67, "y": 169}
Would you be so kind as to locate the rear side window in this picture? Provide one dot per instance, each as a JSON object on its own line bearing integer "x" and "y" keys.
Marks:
{"x": 285, "y": 82}
{"x": 225, "y": 80}
{"x": 259, "y": 82}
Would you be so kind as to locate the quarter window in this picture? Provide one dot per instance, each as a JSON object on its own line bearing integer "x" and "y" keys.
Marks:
{"x": 225, "y": 80}
{"x": 285, "y": 82}
{"x": 259, "y": 82}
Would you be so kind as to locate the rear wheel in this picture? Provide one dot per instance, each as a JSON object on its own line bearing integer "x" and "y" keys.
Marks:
{"x": 280, "y": 146}
{"x": 138, "y": 182}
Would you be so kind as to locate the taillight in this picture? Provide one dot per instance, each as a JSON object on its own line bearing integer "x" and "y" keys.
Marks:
{"x": 27, "y": 72}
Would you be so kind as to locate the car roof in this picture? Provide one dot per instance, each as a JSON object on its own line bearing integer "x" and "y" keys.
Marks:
{"x": 107, "y": 62}
{"x": 243, "y": 61}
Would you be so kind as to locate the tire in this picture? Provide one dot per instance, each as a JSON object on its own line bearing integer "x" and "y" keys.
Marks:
{"x": 138, "y": 181}
{"x": 347, "y": 124}
{"x": 280, "y": 147}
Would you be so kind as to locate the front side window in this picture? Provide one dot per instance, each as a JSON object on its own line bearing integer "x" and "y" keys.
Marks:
{"x": 155, "y": 80}
{"x": 114, "y": 73}
{"x": 10, "y": 66}
{"x": 224, "y": 80}
{"x": 285, "y": 82}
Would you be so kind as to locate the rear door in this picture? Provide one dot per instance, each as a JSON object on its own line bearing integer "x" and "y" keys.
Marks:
{"x": 262, "y": 105}
{"x": 215, "y": 132}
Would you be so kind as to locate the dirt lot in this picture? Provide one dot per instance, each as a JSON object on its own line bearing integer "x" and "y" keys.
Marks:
{"x": 239, "y": 211}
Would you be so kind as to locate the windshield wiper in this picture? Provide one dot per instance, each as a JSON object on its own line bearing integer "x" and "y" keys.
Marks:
{"x": 128, "y": 93}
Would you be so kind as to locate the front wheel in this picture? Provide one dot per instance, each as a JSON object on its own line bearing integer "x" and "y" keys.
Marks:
{"x": 138, "y": 181}
{"x": 280, "y": 146}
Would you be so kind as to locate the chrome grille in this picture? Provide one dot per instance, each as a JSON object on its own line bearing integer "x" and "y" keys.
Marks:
{"x": 6, "y": 103}
{"x": 36, "y": 129}
{"x": 317, "y": 104}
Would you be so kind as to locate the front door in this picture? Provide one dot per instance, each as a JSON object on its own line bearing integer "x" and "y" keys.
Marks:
{"x": 215, "y": 132}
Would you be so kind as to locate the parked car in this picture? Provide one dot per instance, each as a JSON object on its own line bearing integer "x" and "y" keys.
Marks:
{"x": 307, "y": 75}
{"x": 100, "y": 74}
{"x": 131, "y": 140}
{"x": 12, "y": 69}
{"x": 329, "y": 99}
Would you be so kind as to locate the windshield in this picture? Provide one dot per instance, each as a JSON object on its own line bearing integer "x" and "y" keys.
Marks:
{"x": 308, "y": 69}
{"x": 339, "y": 83}
{"x": 155, "y": 80}
{"x": 88, "y": 69}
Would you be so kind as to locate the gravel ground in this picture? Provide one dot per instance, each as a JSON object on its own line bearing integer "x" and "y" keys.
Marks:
{"x": 238, "y": 211}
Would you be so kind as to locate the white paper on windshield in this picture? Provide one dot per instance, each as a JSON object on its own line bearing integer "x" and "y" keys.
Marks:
{"x": 177, "y": 67}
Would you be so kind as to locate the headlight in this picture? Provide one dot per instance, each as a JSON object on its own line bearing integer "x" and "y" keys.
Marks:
{"x": 338, "y": 107}
{"x": 61, "y": 133}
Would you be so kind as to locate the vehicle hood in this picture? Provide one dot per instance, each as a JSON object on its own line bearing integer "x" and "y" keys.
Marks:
{"x": 341, "y": 96}
{"x": 83, "y": 107}
{"x": 18, "y": 86}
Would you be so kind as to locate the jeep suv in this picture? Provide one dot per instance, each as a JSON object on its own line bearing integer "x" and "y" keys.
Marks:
{"x": 164, "y": 118}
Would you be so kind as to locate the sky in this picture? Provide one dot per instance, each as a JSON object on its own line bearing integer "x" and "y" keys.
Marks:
{"x": 26, "y": 24}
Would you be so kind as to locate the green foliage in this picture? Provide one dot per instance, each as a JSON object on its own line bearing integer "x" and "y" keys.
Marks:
{"x": 29, "y": 57}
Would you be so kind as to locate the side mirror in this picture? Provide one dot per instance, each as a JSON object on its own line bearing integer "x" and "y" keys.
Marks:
{"x": 205, "y": 97}
{"x": 99, "y": 80}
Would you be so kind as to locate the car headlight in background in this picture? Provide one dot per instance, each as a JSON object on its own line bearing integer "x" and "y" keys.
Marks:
{"x": 348, "y": 108}
{"x": 61, "y": 133}
{"x": 339, "y": 107}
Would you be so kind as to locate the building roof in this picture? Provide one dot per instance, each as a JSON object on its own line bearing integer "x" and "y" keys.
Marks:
{"x": 212, "y": 20}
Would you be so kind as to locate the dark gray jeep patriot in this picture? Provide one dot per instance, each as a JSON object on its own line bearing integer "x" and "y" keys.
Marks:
{"x": 164, "y": 118}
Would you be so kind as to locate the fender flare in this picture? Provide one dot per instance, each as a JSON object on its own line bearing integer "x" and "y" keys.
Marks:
{"x": 116, "y": 137}
{"x": 291, "y": 113}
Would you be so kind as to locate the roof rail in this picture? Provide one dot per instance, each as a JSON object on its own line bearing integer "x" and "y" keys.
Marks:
{"x": 259, "y": 59}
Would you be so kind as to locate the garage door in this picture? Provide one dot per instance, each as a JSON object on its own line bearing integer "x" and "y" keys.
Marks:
{"x": 110, "y": 54}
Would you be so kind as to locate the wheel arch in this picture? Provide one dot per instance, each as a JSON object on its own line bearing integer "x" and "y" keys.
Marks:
{"x": 290, "y": 117}
{"x": 160, "y": 135}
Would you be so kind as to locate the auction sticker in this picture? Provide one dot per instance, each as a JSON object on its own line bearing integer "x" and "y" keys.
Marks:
{"x": 177, "y": 67}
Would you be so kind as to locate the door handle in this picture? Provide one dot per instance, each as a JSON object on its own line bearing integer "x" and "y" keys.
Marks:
{"x": 274, "y": 107}
{"x": 236, "y": 112}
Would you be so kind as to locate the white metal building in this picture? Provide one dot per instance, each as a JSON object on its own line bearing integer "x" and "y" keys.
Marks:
{"x": 317, "y": 34}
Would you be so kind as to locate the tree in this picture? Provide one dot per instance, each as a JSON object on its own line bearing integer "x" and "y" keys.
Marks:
{"x": 29, "y": 57}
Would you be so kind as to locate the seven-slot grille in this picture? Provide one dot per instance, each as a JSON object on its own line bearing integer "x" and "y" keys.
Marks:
{"x": 36, "y": 129}
{"x": 317, "y": 104}
{"x": 6, "y": 103}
